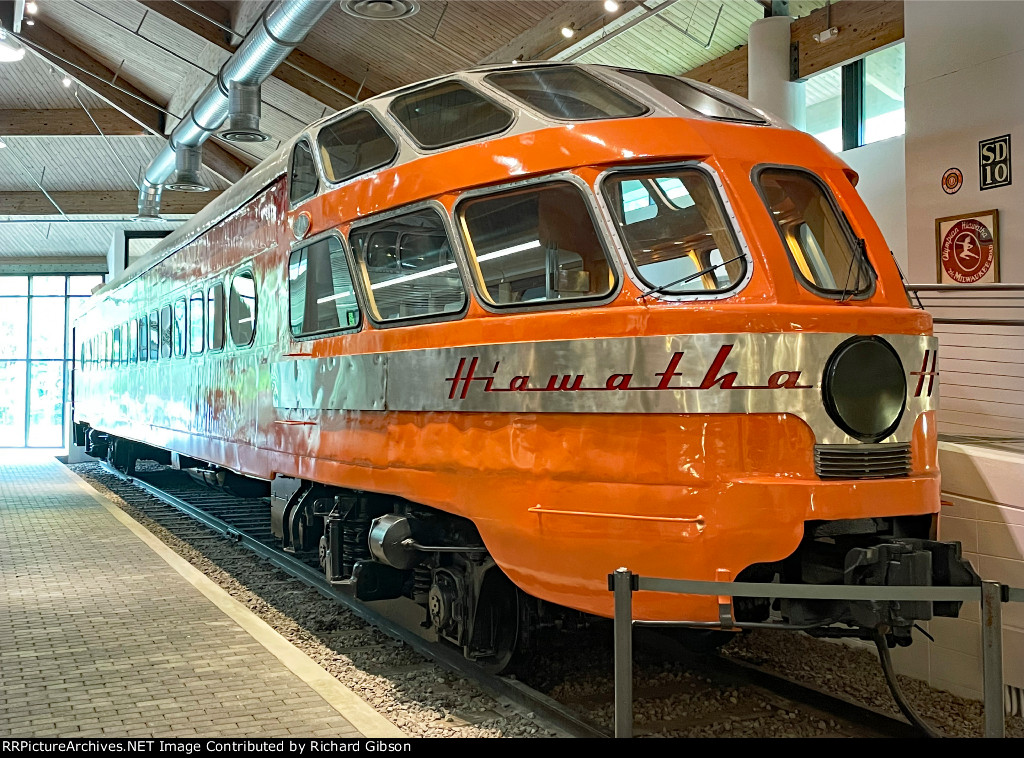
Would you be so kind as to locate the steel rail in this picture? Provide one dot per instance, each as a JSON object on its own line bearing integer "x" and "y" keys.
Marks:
{"x": 495, "y": 686}
{"x": 800, "y": 693}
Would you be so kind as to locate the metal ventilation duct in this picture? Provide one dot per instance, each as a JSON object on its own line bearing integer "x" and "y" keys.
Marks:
{"x": 186, "y": 178}
{"x": 283, "y": 26}
{"x": 243, "y": 114}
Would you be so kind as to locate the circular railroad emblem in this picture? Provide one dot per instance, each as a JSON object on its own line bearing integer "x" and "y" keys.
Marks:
{"x": 967, "y": 251}
{"x": 952, "y": 181}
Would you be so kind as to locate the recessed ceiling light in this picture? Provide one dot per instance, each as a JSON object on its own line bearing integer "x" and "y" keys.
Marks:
{"x": 568, "y": 31}
{"x": 66, "y": 81}
{"x": 611, "y": 6}
{"x": 31, "y": 7}
{"x": 380, "y": 10}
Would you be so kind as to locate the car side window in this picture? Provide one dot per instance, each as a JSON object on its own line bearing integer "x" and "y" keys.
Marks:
{"x": 303, "y": 177}
{"x": 215, "y": 317}
{"x": 196, "y": 330}
{"x": 321, "y": 295}
{"x": 179, "y": 328}
{"x": 165, "y": 332}
{"x": 408, "y": 267}
{"x": 242, "y": 309}
{"x": 143, "y": 332}
{"x": 154, "y": 335}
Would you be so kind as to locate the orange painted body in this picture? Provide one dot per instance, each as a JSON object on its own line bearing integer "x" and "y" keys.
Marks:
{"x": 560, "y": 499}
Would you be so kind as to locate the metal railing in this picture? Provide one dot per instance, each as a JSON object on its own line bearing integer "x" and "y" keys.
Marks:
{"x": 623, "y": 583}
{"x": 981, "y": 351}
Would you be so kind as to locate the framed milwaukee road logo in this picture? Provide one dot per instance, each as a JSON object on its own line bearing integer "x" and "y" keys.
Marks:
{"x": 968, "y": 248}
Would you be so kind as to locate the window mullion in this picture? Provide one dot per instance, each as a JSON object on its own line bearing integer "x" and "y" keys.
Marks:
{"x": 853, "y": 104}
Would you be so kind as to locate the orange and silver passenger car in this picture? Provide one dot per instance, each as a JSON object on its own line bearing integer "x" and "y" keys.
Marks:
{"x": 489, "y": 337}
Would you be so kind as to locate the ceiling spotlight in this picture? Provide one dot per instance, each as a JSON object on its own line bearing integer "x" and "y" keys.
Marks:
{"x": 10, "y": 49}
{"x": 568, "y": 32}
{"x": 611, "y": 6}
{"x": 31, "y": 7}
{"x": 66, "y": 81}
{"x": 29, "y": 22}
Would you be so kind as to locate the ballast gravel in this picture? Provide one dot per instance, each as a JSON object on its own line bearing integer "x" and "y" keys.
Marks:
{"x": 425, "y": 700}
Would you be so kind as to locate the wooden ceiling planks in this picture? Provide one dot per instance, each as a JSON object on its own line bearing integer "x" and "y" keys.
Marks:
{"x": 301, "y": 71}
{"x": 544, "y": 36}
{"x": 115, "y": 45}
{"x": 683, "y": 36}
{"x": 33, "y": 82}
{"x": 80, "y": 163}
{"x": 66, "y": 122}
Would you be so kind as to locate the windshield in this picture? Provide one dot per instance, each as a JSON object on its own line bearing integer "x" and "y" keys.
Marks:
{"x": 675, "y": 232}
{"x": 820, "y": 243}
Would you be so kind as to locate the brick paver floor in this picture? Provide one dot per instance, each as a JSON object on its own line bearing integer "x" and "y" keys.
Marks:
{"x": 100, "y": 637}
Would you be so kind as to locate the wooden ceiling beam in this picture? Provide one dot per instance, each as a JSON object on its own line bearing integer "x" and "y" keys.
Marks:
{"x": 130, "y": 101}
{"x": 545, "y": 39}
{"x": 97, "y": 203}
{"x": 299, "y": 70}
{"x": 69, "y": 122}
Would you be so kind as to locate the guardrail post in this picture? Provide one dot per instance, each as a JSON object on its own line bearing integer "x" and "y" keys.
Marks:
{"x": 622, "y": 585}
{"x": 992, "y": 657}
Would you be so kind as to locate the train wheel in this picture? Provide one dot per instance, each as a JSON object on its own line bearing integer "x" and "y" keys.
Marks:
{"x": 500, "y": 630}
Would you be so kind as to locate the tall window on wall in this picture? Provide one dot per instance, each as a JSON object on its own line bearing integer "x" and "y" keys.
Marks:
{"x": 859, "y": 103}
{"x": 36, "y": 318}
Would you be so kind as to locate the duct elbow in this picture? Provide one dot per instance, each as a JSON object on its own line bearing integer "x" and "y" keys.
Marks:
{"x": 149, "y": 201}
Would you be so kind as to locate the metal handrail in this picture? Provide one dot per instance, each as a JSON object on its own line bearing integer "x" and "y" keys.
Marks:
{"x": 623, "y": 583}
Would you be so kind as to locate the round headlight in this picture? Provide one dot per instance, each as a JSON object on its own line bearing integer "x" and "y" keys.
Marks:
{"x": 865, "y": 388}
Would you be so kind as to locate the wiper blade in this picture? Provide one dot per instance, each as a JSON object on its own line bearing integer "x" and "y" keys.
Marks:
{"x": 691, "y": 277}
{"x": 860, "y": 256}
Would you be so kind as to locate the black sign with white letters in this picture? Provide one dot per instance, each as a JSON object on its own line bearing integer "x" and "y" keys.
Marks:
{"x": 994, "y": 162}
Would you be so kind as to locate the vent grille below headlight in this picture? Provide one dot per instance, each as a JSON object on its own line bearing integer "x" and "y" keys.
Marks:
{"x": 861, "y": 461}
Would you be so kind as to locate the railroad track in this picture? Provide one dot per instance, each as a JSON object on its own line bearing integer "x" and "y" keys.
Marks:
{"x": 706, "y": 694}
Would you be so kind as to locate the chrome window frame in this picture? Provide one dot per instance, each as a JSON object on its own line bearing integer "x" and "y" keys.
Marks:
{"x": 363, "y": 286}
{"x": 181, "y": 297}
{"x": 210, "y": 285}
{"x": 245, "y": 268}
{"x": 533, "y": 109}
{"x": 725, "y": 205}
{"x": 347, "y": 252}
{"x": 317, "y": 169}
{"x": 318, "y": 159}
{"x": 191, "y": 332}
{"x": 868, "y": 292}
{"x": 593, "y": 209}
{"x": 472, "y": 86}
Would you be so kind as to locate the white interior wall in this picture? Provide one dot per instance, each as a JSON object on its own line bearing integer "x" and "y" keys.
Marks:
{"x": 964, "y": 74}
{"x": 883, "y": 187}
{"x": 964, "y": 68}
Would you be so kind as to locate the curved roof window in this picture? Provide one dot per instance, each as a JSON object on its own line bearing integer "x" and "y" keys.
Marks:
{"x": 448, "y": 113}
{"x": 565, "y": 92}
{"x": 690, "y": 95}
{"x": 354, "y": 145}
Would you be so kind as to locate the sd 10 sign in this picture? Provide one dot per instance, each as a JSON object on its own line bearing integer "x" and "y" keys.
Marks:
{"x": 994, "y": 162}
